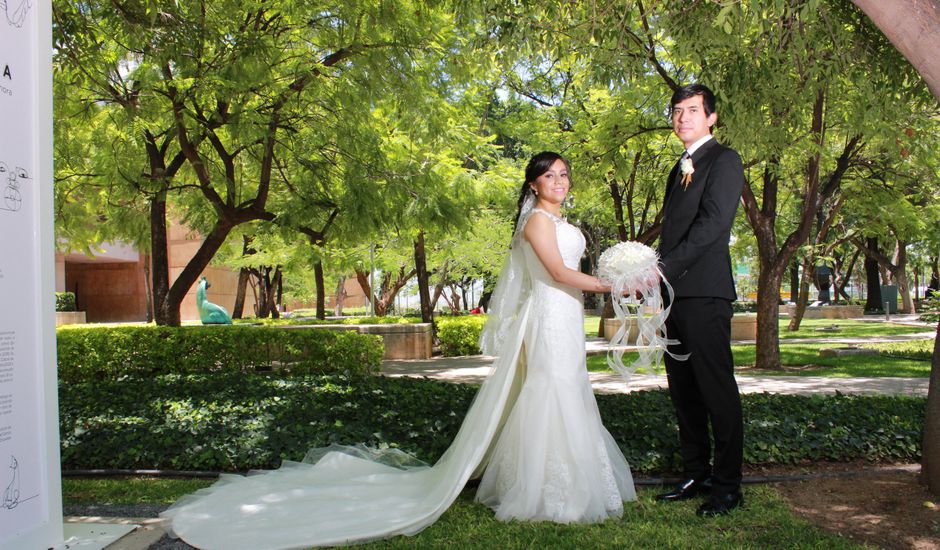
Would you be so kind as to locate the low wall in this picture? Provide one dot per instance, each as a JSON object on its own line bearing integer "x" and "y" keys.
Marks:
{"x": 829, "y": 312}
{"x": 611, "y": 326}
{"x": 744, "y": 326}
{"x": 402, "y": 340}
{"x": 69, "y": 318}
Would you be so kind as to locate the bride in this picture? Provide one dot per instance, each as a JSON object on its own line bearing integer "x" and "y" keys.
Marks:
{"x": 533, "y": 431}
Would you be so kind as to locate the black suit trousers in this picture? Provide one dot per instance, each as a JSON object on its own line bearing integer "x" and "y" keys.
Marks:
{"x": 704, "y": 391}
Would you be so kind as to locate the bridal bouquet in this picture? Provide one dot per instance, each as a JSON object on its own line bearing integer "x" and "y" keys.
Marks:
{"x": 633, "y": 268}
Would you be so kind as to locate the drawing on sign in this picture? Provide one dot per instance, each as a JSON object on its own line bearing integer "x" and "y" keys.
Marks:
{"x": 11, "y": 495}
{"x": 16, "y": 11}
{"x": 12, "y": 199}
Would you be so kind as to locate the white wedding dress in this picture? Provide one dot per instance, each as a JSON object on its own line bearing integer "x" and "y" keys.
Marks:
{"x": 533, "y": 432}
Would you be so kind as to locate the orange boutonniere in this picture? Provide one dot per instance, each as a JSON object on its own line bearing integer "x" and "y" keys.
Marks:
{"x": 687, "y": 171}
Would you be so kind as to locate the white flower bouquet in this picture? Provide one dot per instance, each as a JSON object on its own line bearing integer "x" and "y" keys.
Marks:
{"x": 633, "y": 268}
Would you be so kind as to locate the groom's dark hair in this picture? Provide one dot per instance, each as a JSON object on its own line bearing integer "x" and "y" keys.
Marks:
{"x": 692, "y": 90}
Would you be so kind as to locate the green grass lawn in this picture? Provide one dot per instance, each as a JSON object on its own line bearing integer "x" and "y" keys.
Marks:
{"x": 846, "y": 328}
{"x": 591, "y": 322}
{"x": 805, "y": 360}
{"x": 765, "y": 522}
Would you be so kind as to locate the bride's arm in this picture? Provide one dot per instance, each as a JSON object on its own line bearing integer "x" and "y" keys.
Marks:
{"x": 540, "y": 232}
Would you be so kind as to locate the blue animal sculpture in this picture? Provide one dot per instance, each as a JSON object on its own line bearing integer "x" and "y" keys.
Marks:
{"x": 209, "y": 313}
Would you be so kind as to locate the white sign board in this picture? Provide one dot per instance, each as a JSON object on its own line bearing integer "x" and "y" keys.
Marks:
{"x": 30, "y": 488}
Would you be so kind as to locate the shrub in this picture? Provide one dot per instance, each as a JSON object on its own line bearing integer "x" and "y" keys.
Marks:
{"x": 460, "y": 335}
{"x": 314, "y": 321}
{"x": 930, "y": 308}
{"x": 101, "y": 353}
{"x": 921, "y": 350}
{"x": 744, "y": 307}
{"x": 231, "y": 421}
{"x": 65, "y": 301}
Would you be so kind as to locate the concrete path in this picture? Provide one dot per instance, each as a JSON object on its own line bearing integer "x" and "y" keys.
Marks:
{"x": 474, "y": 369}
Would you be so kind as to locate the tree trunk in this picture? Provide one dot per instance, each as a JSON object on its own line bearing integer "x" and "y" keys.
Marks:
{"x": 148, "y": 286}
{"x": 934, "y": 285}
{"x": 340, "y": 297}
{"x": 913, "y": 26}
{"x": 794, "y": 282}
{"x": 899, "y": 272}
{"x": 846, "y": 276}
{"x": 389, "y": 288}
{"x": 608, "y": 313}
{"x": 187, "y": 278}
{"x": 872, "y": 279}
{"x": 321, "y": 292}
{"x": 163, "y": 312}
{"x": 278, "y": 293}
{"x": 768, "y": 311}
{"x": 421, "y": 266}
{"x": 803, "y": 298}
{"x": 930, "y": 463}
{"x": 240, "y": 290}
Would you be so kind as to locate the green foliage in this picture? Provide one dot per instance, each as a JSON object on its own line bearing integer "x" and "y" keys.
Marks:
{"x": 387, "y": 320}
{"x": 65, "y": 301}
{"x": 921, "y": 350}
{"x": 231, "y": 421}
{"x": 930, "y": 308}
{"x": 89, "y": 354}
{"x": 744, "y": 307}
{"x": 460, "y": 335}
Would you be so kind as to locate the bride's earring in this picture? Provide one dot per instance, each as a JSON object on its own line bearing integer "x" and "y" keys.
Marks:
{"x": 569, "y": 201}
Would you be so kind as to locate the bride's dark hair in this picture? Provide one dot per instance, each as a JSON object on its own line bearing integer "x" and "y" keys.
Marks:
{"x": 538, "y": 165}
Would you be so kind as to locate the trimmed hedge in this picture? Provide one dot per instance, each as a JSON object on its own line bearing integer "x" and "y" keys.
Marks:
{"x": 65, "y": 301}
{"x": 460, "y": 335}
{"x": 109, "y": 353}
{"x": 387, "y": 320}
{"x": 235, "y": 422}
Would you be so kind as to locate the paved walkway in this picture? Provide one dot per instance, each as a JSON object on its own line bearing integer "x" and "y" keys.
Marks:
{"x": 475, "y": 369}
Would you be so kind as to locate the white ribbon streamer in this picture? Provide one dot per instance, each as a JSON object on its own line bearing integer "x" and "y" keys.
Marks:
{"x": 633, "y": 266}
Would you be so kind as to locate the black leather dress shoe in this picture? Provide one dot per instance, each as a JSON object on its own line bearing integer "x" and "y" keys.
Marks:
{"x": 719, "y": 505}
{"x": 689, "y": 488}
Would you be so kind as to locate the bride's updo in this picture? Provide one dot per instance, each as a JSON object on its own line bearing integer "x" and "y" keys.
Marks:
{"x": 538, "y": 165}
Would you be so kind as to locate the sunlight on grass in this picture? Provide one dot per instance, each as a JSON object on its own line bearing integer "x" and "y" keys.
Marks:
{"x": 811, "y": 363}
{"x": 128, "y": 490}
{"x": 846, "y": 328}
{"x": 765, "y": 521}
{"x": 805, "y": 360}
{"x": 591, "y": 323}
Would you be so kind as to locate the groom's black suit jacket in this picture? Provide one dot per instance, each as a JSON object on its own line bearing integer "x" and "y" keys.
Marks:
{"x": 697, "y": 220}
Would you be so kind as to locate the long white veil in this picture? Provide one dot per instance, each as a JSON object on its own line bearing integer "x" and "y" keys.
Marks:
{"x": 511, "y": 290}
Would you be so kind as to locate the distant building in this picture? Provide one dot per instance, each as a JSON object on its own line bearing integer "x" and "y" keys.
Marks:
{"x": 112, "y": 285}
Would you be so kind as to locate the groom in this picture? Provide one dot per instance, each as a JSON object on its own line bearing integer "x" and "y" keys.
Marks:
{"x": 702, "y": 195}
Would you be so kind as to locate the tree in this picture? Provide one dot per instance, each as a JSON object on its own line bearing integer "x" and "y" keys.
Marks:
{"x": 802, "y": 117}
{"x": 216, "y": 87}
{"x": 913, "y": 26}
